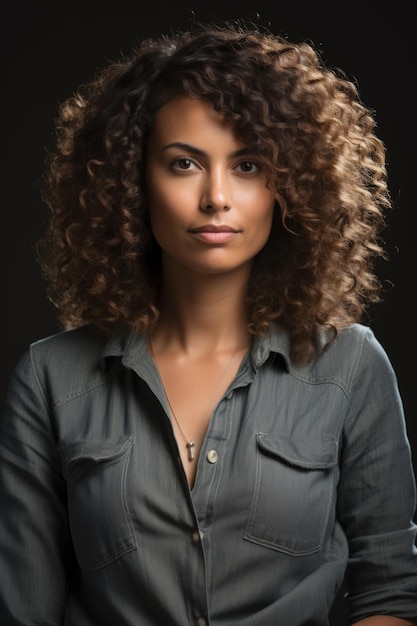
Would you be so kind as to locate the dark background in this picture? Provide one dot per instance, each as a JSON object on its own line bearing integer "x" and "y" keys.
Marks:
{"x": 49, "y": 48}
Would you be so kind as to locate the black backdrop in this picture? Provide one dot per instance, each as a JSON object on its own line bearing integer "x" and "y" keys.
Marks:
{"x": 48, "y": 48}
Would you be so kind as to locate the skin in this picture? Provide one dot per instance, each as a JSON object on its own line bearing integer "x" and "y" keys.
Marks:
{"x": 199, "y": 176}
{"x": 384, "y": 620}
{"x": 211, "y": 213}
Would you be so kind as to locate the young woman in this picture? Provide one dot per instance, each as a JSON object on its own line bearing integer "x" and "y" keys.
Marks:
{"x": 215, "y": 437}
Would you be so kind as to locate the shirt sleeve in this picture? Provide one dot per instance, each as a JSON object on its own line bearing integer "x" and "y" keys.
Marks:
{"x": 377, "y": 493}
{"x": 35, "y": 547}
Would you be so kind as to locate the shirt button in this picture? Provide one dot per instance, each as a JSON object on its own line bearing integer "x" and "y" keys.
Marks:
{"x": 201, "y": 621}
{"x": 212, "y": 456}
{"x": 196, "y": 537}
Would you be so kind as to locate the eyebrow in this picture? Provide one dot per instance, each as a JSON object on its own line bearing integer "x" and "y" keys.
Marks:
{"x": 189, "y": 148}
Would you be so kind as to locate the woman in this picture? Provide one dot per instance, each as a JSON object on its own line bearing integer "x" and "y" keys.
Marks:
{"x": 215, "y": 437}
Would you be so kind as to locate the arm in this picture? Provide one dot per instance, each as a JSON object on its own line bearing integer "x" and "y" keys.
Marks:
{"x": 377, "y": 496}
{"x": 34, "y": 542}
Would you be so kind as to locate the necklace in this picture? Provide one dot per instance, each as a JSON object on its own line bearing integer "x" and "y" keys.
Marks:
{"x": 189, "y": 443}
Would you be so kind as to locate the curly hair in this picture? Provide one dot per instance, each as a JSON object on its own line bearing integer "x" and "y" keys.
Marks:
{"x": 306, "y": 122}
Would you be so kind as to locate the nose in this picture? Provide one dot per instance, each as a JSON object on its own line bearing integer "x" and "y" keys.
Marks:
{"x": 216, "y": 193}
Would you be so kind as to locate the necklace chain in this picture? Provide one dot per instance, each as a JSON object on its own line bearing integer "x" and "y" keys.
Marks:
{"x": 189, "y": 443}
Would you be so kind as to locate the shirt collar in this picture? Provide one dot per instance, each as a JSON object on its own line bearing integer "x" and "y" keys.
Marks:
{"x": 131, "y": 347}
{"x": 276, "y": 342}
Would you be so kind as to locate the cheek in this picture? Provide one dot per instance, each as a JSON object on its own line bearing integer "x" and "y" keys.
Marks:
{"x": 264, "y": 230}
{"x": 160, "y": 206}
{"x": 262, "y": 219}
{"x": 169, "y": 213}
{"x": 170, "y": 201}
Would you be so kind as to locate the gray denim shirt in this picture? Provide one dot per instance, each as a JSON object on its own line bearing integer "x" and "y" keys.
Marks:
{"x": 304, "y": 471}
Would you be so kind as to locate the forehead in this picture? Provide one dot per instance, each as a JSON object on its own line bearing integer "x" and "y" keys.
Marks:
{"x": 188, "y": 119}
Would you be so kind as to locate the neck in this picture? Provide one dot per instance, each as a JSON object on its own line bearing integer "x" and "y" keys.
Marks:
{"x": 204, "y": 312}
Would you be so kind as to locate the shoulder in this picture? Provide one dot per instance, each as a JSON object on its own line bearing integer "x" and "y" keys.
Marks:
{"x": 365, "y": 364}
{"x": 354, "y": 357}
{"x": 68, "y": 361}
{"x": 78, "y": 346}
{"x": 361, "y": 345}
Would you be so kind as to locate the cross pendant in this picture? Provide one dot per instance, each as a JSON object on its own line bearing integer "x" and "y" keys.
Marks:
{"x": 191, "y": 453}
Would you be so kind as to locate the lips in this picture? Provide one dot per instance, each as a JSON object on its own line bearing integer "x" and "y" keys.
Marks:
{"x": 214, "y": 234}
{"x": 212, "y": 228}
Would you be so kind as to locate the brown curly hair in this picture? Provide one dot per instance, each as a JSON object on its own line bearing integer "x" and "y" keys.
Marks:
{"x": 307, "y": 123}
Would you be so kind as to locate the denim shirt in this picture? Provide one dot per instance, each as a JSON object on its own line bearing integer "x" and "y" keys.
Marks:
{"x": 304, "y": 472}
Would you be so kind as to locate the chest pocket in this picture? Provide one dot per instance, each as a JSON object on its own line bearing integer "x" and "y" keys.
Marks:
{"x": 98, "y": 510}
{"x": 294, "y": 493}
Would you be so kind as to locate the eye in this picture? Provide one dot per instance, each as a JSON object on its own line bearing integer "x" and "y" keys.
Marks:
{"x": 183, "y": 164}
{"x": 248, "y": 167}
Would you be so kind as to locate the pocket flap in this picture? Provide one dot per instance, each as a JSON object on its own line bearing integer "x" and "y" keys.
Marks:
{"x": 82, "y": 454}
{"x": 313, "y": 453}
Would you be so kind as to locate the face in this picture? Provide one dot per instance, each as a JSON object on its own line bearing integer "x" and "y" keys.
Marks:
{"x": 210, "y": 208}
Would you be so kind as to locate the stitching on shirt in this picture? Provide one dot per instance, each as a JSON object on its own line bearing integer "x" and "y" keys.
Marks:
{"x": 345, "y": 384}
{"x": 81, "y": 391}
